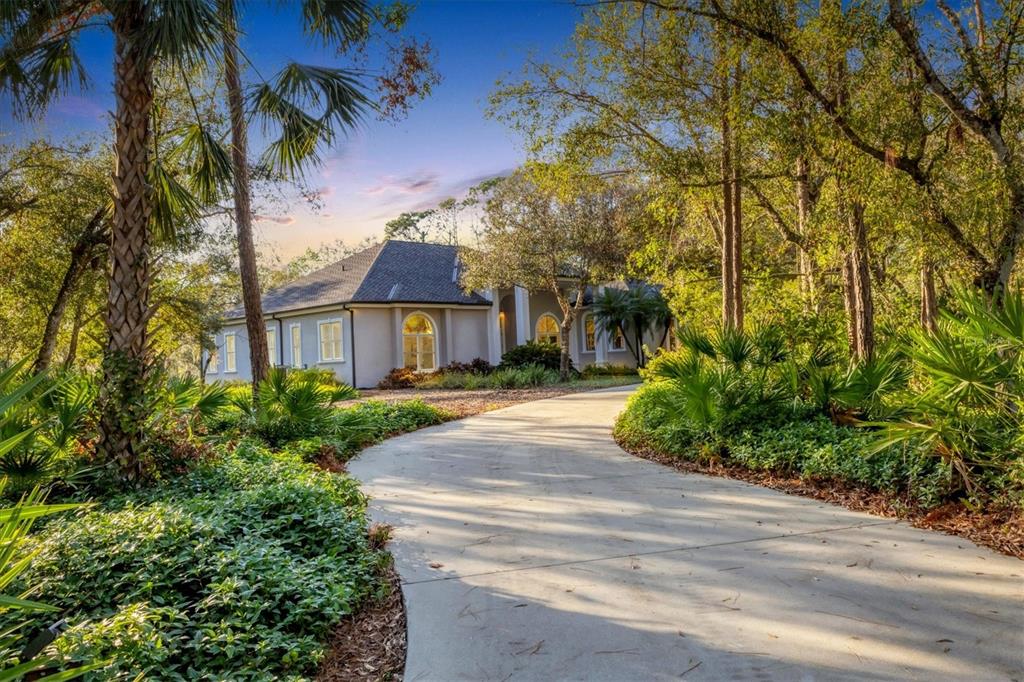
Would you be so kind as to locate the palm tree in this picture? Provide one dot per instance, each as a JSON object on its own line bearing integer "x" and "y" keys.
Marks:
{"x": 341, "y": 101}
{"x": 637, "y": 310}
{"x": 38, "y": 62}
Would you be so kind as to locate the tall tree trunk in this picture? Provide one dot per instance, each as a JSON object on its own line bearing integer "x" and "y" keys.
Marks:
{"x": 565, "y": 360}
{"x": 728, "y": 213}
{"x": 81, "y": 254}
{"x": 736, "y": 260}
{"x": 929, "y": 303}
{"x": 76, "y": 332}
{"x": 805, "y": 259}
{"x": 861, "y": 304}
{"x": 122, "y": 395}
{"x": 254, "y": 324}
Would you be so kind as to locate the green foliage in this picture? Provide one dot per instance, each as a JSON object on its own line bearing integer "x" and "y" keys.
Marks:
{"x": 240, "y": 568}
{"x": 547, "y": 355}
{"x": 968, "y": 406}
{"x": 591, "y": 371}
{"x": 289, "y": 405}
{"x": 15, "y": 524}
{"x": 632, "y": 312}
{"x": 939, "y": 414}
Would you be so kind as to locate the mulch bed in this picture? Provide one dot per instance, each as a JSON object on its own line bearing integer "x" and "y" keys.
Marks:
{"x": 1001, "y": 529}
{"x": 369, "y": 646}
{"x": 460, "y": 403}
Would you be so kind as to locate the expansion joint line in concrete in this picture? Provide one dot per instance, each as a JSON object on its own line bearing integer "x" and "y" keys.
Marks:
{"x": 654, "y": 552}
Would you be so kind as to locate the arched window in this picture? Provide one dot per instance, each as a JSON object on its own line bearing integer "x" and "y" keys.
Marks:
{"x": 547, "y": 329}
{"x": 418, "y": 347}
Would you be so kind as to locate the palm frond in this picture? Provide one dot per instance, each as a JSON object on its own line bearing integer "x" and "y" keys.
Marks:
{"x": 336, "y": 21}
{"x": 173, "y": 205}
{"x": 308, "y": 105}
{"x": 184, "y": 31}
{"x": 208, "y": 162}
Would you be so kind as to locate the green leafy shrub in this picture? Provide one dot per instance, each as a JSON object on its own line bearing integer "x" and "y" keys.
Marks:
{"x": 548, "y": 355}
{"x": 239, "y": 569}
{"x": 15, "y": 523}
{"x": 969, "y": 411}
{"x": 289, "y": 405}
{"x": 593, "y": 371}
{"x": 474, "y": 366}
{"x": 398, "y": 378}
{"x": 939, "y": 415}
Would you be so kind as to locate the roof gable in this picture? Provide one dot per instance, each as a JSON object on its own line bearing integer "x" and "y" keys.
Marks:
{"x": 389, "y": 272}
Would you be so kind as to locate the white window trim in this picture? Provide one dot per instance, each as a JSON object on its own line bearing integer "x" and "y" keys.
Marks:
{"x": 435, "y": 335}
{"x": 291, "y": 341}
{"x": 320, "y": 339}
{"x": 234, "y": 337}
{"x": 587, "y": 317}
{"x": 272, "y": 357}
{"x": 611, "y": 343}
{"x": 536, "y": 326}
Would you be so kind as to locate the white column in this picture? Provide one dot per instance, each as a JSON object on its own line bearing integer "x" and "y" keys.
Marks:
{"x": 493, "y": 328}
{"x": 448, "y": 336}
{"x": 396, "y": 321}
{"x": 522, "y": 300}
{"x": 600, "y": 339}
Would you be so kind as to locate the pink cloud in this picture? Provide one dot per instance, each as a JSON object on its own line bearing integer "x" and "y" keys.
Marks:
{"x": 419, "y": 183}
{"x": 279, "y": 219}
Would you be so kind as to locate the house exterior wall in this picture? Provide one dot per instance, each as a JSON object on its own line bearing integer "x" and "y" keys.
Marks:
{"x": 459, "y": 334}
{"x": 372, "y": 338}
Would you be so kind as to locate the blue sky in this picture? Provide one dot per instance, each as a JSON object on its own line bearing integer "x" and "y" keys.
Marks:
{"x": 444, "y": 145}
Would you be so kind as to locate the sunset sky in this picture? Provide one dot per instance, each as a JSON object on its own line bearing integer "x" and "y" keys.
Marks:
{"x": 445, "y": 145}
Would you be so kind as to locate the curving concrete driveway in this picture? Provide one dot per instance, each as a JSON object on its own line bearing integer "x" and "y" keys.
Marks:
{"x": 532, "y": 548}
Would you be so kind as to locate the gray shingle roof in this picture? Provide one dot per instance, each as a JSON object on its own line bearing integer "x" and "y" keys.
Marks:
{"x": 390, "y": 272}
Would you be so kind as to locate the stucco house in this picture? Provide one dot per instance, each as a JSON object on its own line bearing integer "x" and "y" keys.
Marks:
{"x": 400, "y": 304}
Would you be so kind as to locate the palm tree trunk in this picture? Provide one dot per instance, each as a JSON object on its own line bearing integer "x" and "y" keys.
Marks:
{"x": 254, "y": 324}
{"x": 80, "y": 256}
{"x": 122, "y": 404}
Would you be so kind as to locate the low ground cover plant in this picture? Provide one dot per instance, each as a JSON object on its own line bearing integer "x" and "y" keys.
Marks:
{"x": 238, "y": 569}
{"x": 937, "y": 415}
{"x": 231, "y": 559}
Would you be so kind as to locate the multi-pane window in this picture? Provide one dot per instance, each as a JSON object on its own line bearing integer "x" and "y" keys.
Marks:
{"x": 296, "y": 332}
{"x": 272, "y": 346}
{"x": 213, "y": 365}
{"x": 590, "y": 333}
{"x": 418, "y": 343}
{"x": 547, "y": 329}
{"x": 330, "y": 341}
{"x": 230, "y": 356}
{"x": 618, "y": 340}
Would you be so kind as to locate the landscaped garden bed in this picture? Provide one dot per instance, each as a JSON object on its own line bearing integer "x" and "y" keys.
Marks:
{"x": 928, "y": 430}
{"x": 241, "y": 552}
